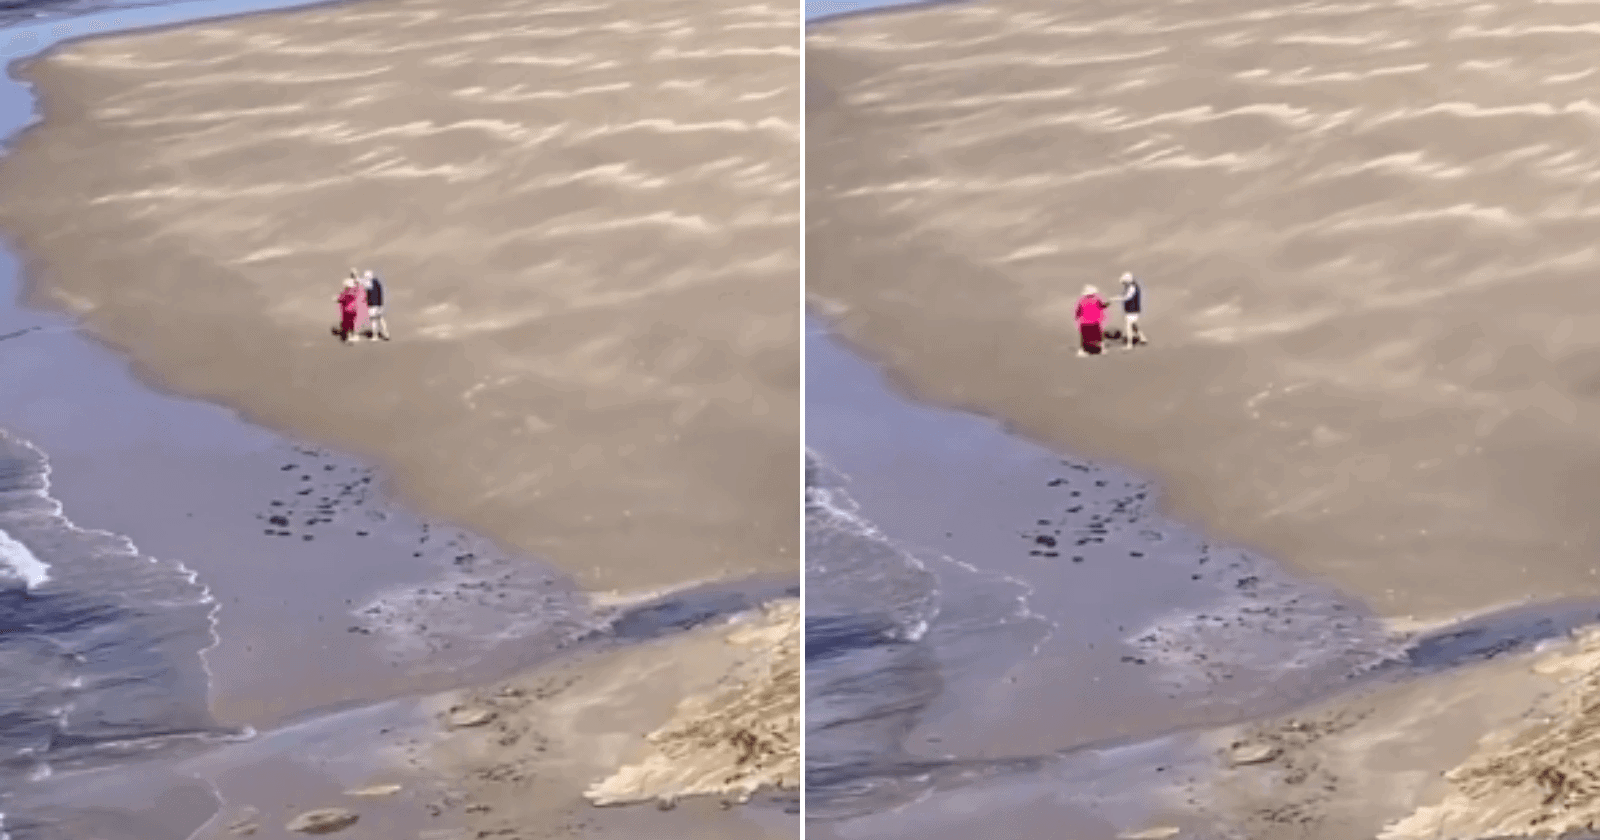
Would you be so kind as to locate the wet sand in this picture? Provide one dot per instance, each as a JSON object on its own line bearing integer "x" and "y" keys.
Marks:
{"x": 1131, "y": 695}
{"x": 1370, "y": 363}
{"x": 597, "y": 389}
{"x": 586, "y": 215}
{"x": 1370, "y": 357}
{"x": 373, "y": 614}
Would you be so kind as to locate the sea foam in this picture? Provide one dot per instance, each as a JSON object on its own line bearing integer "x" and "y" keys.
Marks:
{"x": 17, "y": 561}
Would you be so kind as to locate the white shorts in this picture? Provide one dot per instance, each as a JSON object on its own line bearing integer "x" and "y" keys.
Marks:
{"x": 1131, "y": 317}
{"x": 374, "y": 312}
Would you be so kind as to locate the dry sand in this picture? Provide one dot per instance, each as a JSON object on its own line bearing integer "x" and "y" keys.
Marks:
{"x": 586, "y": 215}
{"x": 719, "y": 708}
{"x": 1363, "y": 232}
{"x": 1536, "y": 777}
{"x": 587, "y": 218}
{"x": 1365, "y": 239}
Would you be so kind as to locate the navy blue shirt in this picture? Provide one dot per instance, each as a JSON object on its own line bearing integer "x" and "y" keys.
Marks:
{"x": 1132, "y": 297}
{"x": 375, "y": 292}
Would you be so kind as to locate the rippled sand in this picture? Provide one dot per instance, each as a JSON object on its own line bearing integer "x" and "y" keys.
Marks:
{"x": 1366, "y": 231}
{"x": 587, "y": 218}
{"x": 586, "y": 214}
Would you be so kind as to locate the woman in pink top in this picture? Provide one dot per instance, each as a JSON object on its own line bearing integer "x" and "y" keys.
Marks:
{"x": 1091, "y": 319}
{"x": 348, "y": 309}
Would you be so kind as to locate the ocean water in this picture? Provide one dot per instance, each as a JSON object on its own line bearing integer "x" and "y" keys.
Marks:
{"x": 101, "y": 646}
{"x": 884, "y": 619}
{"x": 113, "y": 654}
{"x": 978, "y": 607}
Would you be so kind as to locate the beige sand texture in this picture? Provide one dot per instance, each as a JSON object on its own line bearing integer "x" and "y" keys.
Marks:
{"x": 721, "y": 708}
{"x": 733, "y": 739}
{"x": 1367, "y": 239}
{"x": 586, "y": 214}
{"x": 1538, "y": 777}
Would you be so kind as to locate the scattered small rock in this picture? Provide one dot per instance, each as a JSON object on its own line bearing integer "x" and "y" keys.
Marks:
{"x": 374, "y": 791}
{"x": 462, "y": 718}
{"x": 1245, "y": 752}
{"x": 1160, "y": 832}
{"x": 323, "y": 821}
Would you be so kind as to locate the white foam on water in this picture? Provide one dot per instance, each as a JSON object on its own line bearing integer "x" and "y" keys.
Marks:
{"x": 57, "y": 511}
{"x": 19, "y": 561}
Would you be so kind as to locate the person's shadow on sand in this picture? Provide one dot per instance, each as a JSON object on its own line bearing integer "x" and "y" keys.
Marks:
{"x": 365, "y": 333}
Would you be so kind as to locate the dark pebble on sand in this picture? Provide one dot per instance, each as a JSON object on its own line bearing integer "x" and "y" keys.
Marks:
{"x": 1044, "y": 522}
{"x": 308, "y": 538}
{"x": 416, "y": 554}
{"x": 1135, "y": 554}
{"x": 1077, "y": 558}
{"x": 1194, "y": 577}
{"x": 1055, "y": 482}
{"x": 1045, "y": 540}
{"x": 361, "y": 533}
{"x": 287, "y": 467}
{"x": 1052, "y": 554}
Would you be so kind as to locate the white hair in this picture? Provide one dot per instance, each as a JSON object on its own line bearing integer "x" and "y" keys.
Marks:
{"x": 1090, "y": 290}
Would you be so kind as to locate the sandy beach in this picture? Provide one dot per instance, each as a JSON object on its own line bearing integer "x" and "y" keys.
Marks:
{"x": 567, "y": 488}
{"x": 1370, "y": 364}
{"x": 586, "y": 216}
{"x": 1329, "y": 253}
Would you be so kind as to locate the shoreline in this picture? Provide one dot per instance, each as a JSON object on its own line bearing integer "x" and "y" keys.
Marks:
{"x": 1141, "y": 748}
{"x": 885, "y": 9}
{"x": 661, "y": 613}
{"x": 746, "y": 408}
{"x": 224, "y": 550}
{"x": 1247, "y": 381}
{"x": 1334, "y": 380}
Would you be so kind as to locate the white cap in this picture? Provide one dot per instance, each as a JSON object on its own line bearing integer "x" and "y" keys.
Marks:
{"x": 1090, "y": 290}
{"x": 1127, "y": 277}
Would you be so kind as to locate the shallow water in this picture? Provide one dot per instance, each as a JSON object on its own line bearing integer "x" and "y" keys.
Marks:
{"x": 221, "y": 579}
{"x": 985, "y": 616}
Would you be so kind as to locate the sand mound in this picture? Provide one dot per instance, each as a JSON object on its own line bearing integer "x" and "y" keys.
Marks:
{"x": 1540, "y": 778}
{"x": 733, "y": 740}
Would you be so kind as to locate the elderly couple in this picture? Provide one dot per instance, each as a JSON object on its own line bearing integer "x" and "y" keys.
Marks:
{"x": 1092, "y": 316}
{"x": 361, "y": 291}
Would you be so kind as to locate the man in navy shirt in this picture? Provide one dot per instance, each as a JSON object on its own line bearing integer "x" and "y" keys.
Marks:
{"x": 1132, "y": 305}
{"x": 375, "y": 320}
